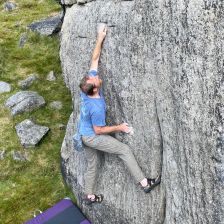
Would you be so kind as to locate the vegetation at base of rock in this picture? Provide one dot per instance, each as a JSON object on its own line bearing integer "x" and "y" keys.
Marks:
{"x": 37, "y": 183}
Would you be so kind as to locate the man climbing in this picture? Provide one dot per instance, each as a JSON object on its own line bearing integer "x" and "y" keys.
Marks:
{"x": 95, "y": 132}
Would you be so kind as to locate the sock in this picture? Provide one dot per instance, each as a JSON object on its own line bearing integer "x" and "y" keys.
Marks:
{"x": 91, "y": 197}
{"x": 144, "y": 182}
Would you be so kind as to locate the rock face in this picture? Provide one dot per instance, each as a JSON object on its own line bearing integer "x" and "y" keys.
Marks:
{"x": 47, "y": 26}
{"x": 29, "y": 133}
{"x": 4, "y": 87}
{"x": 162, "y": 67}
{"x": 24, "y": 101}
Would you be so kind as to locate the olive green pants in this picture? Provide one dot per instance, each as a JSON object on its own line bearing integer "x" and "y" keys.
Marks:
{"x": 108, "y": 144}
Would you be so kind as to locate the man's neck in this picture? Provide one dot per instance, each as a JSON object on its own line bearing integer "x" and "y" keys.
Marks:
{"x": 96, "y": 95}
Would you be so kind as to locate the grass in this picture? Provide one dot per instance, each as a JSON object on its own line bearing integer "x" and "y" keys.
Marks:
{"x": 37, "y": 183}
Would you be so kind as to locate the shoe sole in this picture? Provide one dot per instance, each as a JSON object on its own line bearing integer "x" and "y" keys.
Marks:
{"x": 157, "y": 182}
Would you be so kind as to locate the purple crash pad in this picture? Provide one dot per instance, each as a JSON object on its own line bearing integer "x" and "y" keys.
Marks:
{"x": 64, "y": 210}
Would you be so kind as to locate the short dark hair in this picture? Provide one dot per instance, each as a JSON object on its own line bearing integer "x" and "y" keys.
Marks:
{"x": 87, "y": 88}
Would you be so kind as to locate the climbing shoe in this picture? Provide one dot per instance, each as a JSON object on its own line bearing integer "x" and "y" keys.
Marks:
{"x": 152, "y": 183}
{"x": 97, "y": 199}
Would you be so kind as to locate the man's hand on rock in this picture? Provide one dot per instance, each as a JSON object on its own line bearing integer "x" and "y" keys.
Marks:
{"x": 102, "y": 32}
{"x": 124, "y": 128}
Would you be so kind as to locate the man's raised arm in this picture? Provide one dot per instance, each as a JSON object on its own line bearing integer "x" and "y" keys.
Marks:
{"x": 97, "y": 50}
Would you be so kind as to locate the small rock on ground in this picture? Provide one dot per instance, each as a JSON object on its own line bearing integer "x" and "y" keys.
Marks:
{"x": 56, "y": 105}
{"x": 2, "y": 154}
{"x": 19, "y": 156}
{"x": 4, "y": 87}
{"x": 62, "y": 126}
{"x": 51, "y": 76}
{"x": 22, "y": 40}
{"x": 24, "y": 84}
{"x": 9, "y": 6}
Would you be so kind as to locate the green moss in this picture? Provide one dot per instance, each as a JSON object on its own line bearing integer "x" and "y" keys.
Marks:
{"x": 37, "y": 183}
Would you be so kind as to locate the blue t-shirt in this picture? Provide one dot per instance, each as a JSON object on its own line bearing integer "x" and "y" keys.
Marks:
{"x": 92, "y": 112}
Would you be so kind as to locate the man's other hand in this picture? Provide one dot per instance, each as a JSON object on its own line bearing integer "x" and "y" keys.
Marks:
{"x": 124, "y": 128}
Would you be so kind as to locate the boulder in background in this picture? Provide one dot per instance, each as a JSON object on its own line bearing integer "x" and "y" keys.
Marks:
{"x": 47, "y": 26}
{"x": 24, "y": 101}
{"x": 29, "y": 133}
